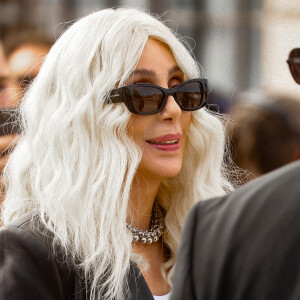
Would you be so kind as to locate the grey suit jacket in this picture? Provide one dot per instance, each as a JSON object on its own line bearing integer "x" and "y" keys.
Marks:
{"x": 244, "y": 246}
{"x": 29, "y": 271}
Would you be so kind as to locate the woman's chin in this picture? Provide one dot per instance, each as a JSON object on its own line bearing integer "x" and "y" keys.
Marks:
{"x": 159, "y": 172}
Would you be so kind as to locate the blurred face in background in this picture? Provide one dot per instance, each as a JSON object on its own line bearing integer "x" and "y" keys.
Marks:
{"x": 5, "y": 101}
{"x": 5, "y": 83}
{"x": 25, "y": 63}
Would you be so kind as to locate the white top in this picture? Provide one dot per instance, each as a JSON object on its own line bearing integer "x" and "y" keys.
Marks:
{"x": 163, "y": 297}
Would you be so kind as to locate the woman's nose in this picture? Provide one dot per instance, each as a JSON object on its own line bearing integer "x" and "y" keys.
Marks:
{"x": 171, "y": 111}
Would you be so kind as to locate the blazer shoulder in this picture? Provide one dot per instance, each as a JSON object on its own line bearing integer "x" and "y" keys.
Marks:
{"x": 29, "y": 266}
{"x": 237, "y": 238}
{"x": 23, "y": 220}
{"x": 27, "y": 270}
{"x": 27, "y": 230}
{"x": 274, "y": 188}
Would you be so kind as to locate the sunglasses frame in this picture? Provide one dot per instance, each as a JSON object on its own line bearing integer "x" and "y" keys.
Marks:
{"x": 123, "y": 94}
{"x": 292, "y": 62}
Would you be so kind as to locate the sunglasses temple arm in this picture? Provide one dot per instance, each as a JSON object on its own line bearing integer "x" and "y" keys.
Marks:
{"x": 116, "y": 96}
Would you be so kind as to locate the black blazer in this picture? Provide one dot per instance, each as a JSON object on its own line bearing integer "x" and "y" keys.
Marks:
{"x": 244, "y": 246}
{"x": 29, "y": 271}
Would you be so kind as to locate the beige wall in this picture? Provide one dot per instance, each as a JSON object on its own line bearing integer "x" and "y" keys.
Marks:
{"x": 280, "y": 33}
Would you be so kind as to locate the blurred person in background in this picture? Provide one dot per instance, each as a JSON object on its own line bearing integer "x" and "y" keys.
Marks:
{"x": 117, "y": 146}
{"x": 264, "y": 132}
{"x": 26, "y": 53}
{"x": 5, "y": 80}
{"x": 6, "y": 95}
{"x": 245, "y": 245}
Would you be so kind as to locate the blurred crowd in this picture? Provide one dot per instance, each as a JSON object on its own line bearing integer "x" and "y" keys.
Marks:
{"x": 263, "y": 129}
{"x": 20, "y": 61}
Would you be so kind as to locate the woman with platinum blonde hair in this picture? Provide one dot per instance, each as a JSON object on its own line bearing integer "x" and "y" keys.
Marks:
{"x": 116, "y": 148}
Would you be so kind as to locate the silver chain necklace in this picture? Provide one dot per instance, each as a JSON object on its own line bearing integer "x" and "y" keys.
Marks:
{"x": 156, "y": 230}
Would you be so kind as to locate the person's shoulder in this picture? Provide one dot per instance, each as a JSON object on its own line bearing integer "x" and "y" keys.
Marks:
{"x": 282, "y": 181}
{"x": 28, "y": 223}
{"x": 246, "y": 231}
{"x": 25, "y": 232}
{"x": 22, "y": 222}
{"x": 280, "y": 185}
{"x": 27, "y": 251}
{"x": 270, "y": 202}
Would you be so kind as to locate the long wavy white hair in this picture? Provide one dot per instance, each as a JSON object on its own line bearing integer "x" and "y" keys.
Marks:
{"x": 75, "y": 162}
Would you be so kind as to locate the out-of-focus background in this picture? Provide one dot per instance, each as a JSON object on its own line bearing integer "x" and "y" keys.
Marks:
{"x": 241, "y": 45}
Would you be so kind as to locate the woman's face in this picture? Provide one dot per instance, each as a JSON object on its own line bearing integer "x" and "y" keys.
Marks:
{"x": 162, "y": 136}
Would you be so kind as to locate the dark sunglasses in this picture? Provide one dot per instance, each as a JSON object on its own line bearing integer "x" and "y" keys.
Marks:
{"x": 149, "y": 99}
{"x": 294, "y": 64}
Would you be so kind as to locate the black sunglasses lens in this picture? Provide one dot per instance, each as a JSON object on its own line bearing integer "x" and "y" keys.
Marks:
{"x": 294, "y": 64}
{"x": 147, "y": 99}
{"x": 191, "y": 95}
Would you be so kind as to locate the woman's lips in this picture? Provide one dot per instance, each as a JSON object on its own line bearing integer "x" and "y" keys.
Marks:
{"x": 170, "y": 142}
